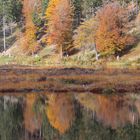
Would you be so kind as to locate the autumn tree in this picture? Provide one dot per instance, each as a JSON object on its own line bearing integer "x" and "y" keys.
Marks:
{"x": 112, "y": 34}
{"x": 29, "y": 43}
{"x": 59, "y": 16}
{"x": 86, "y": 35}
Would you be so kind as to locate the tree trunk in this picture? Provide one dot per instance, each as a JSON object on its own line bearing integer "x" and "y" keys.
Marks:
{"x": 61, "y": 52}
{"x": 96, "y": 53}
{"x": 4, "y": 30}
{"x": 11, "y": 27}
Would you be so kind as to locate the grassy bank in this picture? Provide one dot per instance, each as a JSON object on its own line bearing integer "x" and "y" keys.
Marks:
{"x": 74, "y": 61}
{"x": 84, "y": 59}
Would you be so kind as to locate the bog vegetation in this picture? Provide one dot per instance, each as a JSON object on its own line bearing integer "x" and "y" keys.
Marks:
{"x": 67, "y": 31}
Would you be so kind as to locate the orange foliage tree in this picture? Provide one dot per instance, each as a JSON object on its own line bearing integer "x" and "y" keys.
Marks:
{"x": 112, "y": 34}
{"x": 29, "y": 39}
{"x": 59, "y": 17}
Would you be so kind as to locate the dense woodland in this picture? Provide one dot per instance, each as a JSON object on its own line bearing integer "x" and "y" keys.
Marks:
{"x": 99, "y": 28}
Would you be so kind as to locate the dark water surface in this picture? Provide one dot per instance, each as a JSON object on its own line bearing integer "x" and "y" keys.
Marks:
{"x": 69, "y": 116}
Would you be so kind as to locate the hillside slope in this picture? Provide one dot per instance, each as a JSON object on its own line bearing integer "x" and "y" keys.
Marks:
{"x": 133, "y": 55}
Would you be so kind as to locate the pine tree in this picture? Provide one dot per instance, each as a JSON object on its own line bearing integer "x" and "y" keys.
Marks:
{"x": 10, "y": 12}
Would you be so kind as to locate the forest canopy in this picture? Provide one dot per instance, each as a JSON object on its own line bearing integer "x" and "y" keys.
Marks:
{"x": 105, "y": 27}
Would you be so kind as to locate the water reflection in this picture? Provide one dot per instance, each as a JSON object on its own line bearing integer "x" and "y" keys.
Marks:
{"x": 70, "y": 116}
{"x": 32, "y": 122}
{"x": 60, "y": 111}
{"x": 112, "y": 111}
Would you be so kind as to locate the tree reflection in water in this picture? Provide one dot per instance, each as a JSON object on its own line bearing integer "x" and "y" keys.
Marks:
{"x": 32, "y": 122}
{"x": 60, "y": 111}
{"x": 114, "y": 111}
{"x": 69, "y": 116}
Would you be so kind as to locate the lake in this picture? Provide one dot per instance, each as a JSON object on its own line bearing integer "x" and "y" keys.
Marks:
{"x": 69, "y": 104}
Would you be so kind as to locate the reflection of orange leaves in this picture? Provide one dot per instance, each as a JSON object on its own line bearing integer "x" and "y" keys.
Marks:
{"x": 87, "y": 100}
{"x": 114, "y": 111}
{"x": 60, "y": 111}
{"x": 31, "y": 122}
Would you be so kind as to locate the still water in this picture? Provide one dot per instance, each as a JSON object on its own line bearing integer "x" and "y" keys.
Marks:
{"x": 69, "y": 116}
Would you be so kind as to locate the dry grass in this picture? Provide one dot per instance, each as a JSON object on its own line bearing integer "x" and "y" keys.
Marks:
{"x": 21, "y": 79}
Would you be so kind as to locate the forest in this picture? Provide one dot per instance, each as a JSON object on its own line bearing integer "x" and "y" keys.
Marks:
{"x": 70, "y": 32}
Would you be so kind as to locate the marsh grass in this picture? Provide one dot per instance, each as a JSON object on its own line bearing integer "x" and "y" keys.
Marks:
{"x": 69, "y": 80}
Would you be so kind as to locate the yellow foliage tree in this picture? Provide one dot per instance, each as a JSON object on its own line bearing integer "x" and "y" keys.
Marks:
{"x": 51, "y": 6}
{"x": 86, "y": 35}
{"x": 29, "y": 43}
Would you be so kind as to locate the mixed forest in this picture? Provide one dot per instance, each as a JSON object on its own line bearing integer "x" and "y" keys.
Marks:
{"x": 70, "y": 32}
